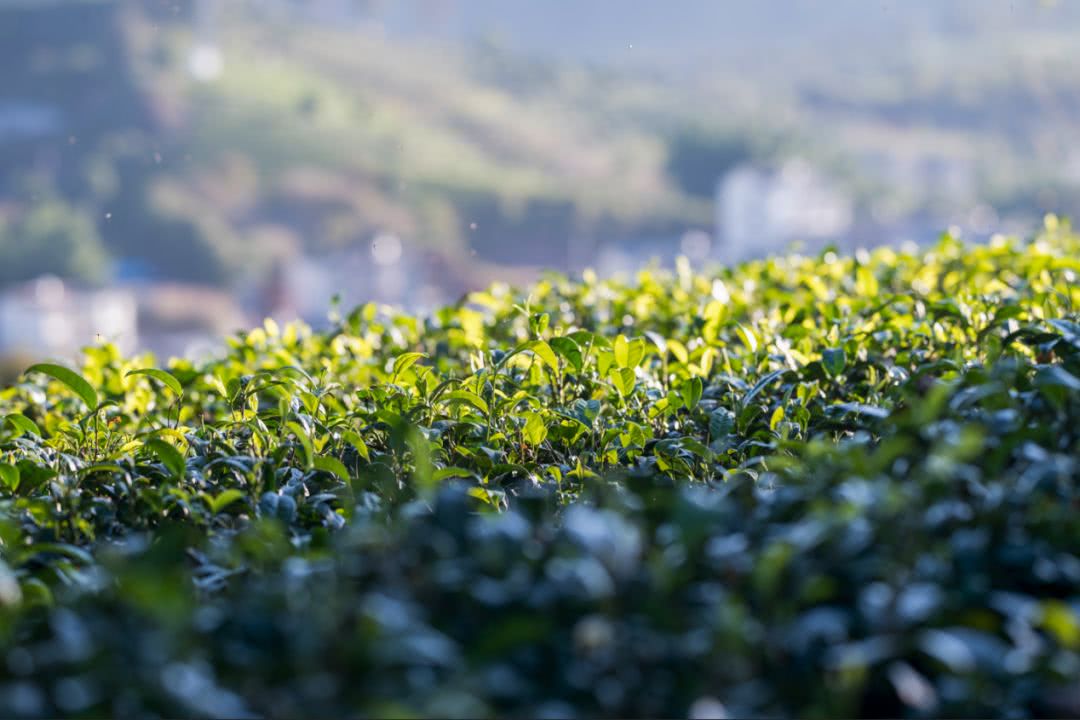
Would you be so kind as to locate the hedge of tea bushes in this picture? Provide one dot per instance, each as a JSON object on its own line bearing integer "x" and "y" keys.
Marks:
{"x": 804, "y": 486}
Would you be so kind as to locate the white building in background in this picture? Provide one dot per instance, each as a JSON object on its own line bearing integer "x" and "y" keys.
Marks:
{"x": 632, "y": 254}
{"x": 47, "y": 318}
{"x": 948, "y": 179}
{"x": 385, "y": 270}
{"x": 760, "y": 211}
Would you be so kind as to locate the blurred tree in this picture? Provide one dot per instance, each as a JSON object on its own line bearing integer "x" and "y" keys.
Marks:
{"x": 52, "y": 237}
{"x": 176, "y": 234}
{"x": 698, "y": 157}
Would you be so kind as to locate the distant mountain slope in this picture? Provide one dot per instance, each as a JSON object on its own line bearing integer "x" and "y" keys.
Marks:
{"x": 534, "y": 129}
{"x": 675, "y": 34}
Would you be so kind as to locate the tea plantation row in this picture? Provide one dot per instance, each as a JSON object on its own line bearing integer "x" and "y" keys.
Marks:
{"x": 825, "y": 486}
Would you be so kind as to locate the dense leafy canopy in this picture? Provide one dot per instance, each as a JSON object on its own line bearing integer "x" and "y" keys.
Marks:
{"x": 801, "y": 486}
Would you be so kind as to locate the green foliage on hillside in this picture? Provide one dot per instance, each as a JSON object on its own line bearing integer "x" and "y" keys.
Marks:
{"x": 801, "y": 486}
{"x": 51, "y": 237}
{"x": 327, "y": 136}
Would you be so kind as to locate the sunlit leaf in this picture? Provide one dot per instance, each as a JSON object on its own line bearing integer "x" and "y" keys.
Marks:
{"x": 535, "y": 431}
{"x": 9, "y": 475}
{"x": 544, "y": 352}
{"x": 225, "y": 498}
{"x": 73, "y": 380}
{"x": 623, "y": 380}
{"x": 165, "y": 378}
{"x": 332, "y": 466}
{"x": 466, "y": 397}
{"x": 406, "y": 361}
{"x": 307, "y": 453}
{"x": 22, "y": 424}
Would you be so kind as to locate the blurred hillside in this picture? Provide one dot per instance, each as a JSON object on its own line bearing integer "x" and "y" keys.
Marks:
{"x": 287, "y": 151}
{"x": 311, "y": 139}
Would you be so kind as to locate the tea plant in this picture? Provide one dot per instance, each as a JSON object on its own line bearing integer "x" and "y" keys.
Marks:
{"x": 800, "y": 486}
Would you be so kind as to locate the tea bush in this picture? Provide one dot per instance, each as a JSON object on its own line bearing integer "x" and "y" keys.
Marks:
{"x": 796, "y": 487}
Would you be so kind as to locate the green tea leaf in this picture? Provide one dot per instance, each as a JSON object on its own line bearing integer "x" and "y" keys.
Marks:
{"x": 33, "y": 475}
{"x": 623, "y": 379}
{"x": 1070, "y": 331}
{"x": 333, "y": 466}
{"x": 834, "y": 360}
{"x": 761, "y": 385}
{"x": 354, "y": 439}
{"x": 9, "y": 475}
{"x": 691, "y": 392}
{"x": 748, "y": 337}
{"x": 170, "y": 457}
{"x": 1062, "y": 621}
{"x": 466, "y": 397}
{"x": 621, "y": 348}
{"x": 861, "y": 409}
{"x": 65, "y": 550}
{"x": 307, "y": 452}
{"x": 721, "y": 423}
{"x": 635, "y": 353}
{"x": 224, "y": 499}
{"x": 452, "y": 472}
{"x": 776, "y": 418}
{"x": 22, "y": 424}
{"x": 163, "y": 377}
{"x": 604, "y": 360}
{"x": 535, "y": 431}
{"x": 679, "y": 351}
{"x": 544, "y": 352}
{"x": 697, "y": 448}
{"x": 1058, "y": 377}
{"x": 73, "y": 380}
{"x": 538, "y": 323}
{"x": 658, "y": 340}
{"x": 406, "y": 361}
{"x": 569, "y": 350}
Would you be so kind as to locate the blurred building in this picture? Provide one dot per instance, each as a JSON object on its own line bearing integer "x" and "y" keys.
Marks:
{"x": 759, "y": 211}
{"x": 948, "y": 179}
{"x": 387, "y": 270}
{"x": 630, "y": 255}
{"x": 186, "y": 319}
{"x": 48, "y": 318}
